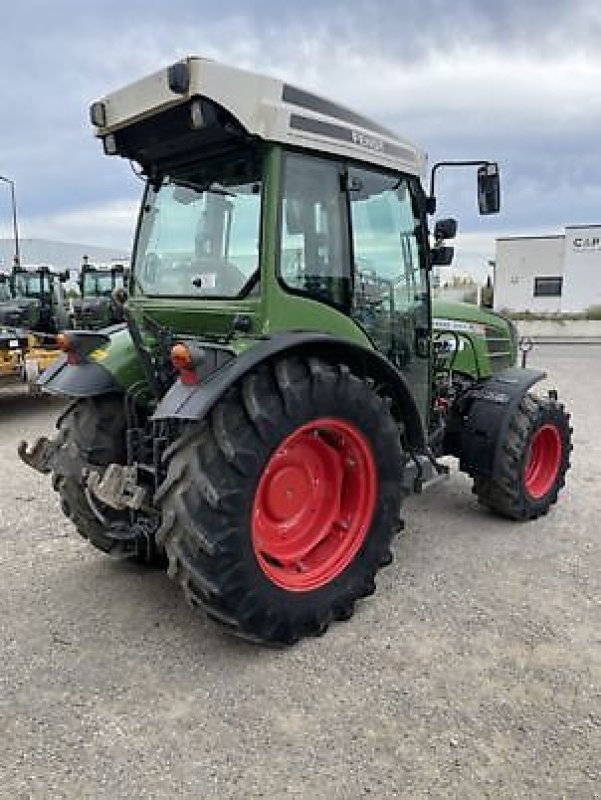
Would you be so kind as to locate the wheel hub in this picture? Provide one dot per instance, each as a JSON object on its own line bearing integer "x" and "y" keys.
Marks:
{"x": 314, "y": 504}
{"x": 543, "y": 461}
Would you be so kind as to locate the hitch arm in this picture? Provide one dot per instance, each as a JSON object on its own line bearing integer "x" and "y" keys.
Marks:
{"x": 42, "y": 453}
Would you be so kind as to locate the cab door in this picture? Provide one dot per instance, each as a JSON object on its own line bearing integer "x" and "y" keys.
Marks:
{"x": 391, "y": 298}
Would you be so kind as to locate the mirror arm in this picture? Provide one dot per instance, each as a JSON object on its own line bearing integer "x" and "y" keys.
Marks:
{"x": 431, "y": 199}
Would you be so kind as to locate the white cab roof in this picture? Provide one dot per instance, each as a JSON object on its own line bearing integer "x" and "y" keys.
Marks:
{"x": 265, "y": 107}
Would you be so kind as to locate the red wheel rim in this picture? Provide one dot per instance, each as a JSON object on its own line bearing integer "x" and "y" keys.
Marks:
{"x": 314, "y": 504}
{"x": 543, "y": 461}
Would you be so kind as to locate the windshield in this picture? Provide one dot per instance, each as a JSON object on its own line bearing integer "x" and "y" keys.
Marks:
{"x": 28, "y": 285}
{"x": 200, "y": 238}
{"x": 100, "y": 284}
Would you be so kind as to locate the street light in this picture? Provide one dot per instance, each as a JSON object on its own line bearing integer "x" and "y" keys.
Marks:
{"x": 15, "y": 226}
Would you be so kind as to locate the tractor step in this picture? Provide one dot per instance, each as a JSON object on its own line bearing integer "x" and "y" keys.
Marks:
{"x": 422, "y": 472}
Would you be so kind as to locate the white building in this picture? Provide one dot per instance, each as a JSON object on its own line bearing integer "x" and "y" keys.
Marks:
{"x": 545, "y": 274}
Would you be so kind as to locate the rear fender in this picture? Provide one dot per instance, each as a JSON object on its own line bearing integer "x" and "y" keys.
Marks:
{"x": 108, "y": 363}
{"x": 481, "y": 421}
{"x": 194, "y": 402}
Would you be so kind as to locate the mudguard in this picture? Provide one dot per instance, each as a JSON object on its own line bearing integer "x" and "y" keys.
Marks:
{"x": 82, "y": 380}
{"x": 107, "y": 362}
{"x": 194, "y": 402}
{"x": 485, "y": 411}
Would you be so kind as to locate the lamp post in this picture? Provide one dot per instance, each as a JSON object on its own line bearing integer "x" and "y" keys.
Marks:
{"x": 15, "y": 226}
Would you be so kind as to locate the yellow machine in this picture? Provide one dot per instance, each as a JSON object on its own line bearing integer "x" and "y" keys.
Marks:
{"x": 24, "y": 356}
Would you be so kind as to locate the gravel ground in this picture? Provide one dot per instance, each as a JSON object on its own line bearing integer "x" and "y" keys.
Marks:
{"x": 475, "y": 670}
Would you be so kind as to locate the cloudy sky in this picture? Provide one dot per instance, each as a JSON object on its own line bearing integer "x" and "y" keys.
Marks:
{"x": 511, "y": 80}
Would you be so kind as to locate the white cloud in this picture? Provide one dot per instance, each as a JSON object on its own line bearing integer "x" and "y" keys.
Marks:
{"x": 538, "y": 112}
{"x": 108, "y": 224}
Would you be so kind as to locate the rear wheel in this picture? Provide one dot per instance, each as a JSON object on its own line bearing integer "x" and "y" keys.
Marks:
{"x": 93, "y": 431}
{"x": 280, "y": 508}
{"x": 534, "y": 461}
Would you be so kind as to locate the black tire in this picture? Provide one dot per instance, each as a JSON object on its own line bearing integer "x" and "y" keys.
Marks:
{"x": 93, "y": 433}
{"x": 207, "y": 500}
{"x": 508, "y": 494}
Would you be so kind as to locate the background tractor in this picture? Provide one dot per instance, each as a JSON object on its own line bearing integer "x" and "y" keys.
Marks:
{"x": 37, "y": 301}
{"x": 97, "y": 307}
{"x": 23, "y": 354}
{"x": 276, "y": 388}
{"x": 5, "y": 288}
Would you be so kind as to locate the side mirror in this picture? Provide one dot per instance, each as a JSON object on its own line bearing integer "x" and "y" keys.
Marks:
{"x": 445, "y": 229}
{"x": 489, "y": 188}
{"x": 442, "y": 256}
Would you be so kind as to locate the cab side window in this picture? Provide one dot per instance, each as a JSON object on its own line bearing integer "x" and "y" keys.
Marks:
{"x": 390, "y": 290}
{"x": 313, "y": 247}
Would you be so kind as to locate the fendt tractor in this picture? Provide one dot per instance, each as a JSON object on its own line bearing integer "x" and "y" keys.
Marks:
{"x": 276, "y": 390}
{"x": 98, "y": 307}
{"x": 37, "y": 301}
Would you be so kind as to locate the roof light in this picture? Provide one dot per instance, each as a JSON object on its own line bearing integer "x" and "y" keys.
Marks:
{"x": 109, "y": 143}
{"x": 178, "y": 77}
{"x": 98, "y": 114}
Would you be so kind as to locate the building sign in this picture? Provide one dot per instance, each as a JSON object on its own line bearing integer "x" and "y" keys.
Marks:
{"x": 586, "y": 244}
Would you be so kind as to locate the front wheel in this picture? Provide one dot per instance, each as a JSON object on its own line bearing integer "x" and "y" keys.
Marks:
{"x": 534, "y": 461}
{"x": 280, "y": 508}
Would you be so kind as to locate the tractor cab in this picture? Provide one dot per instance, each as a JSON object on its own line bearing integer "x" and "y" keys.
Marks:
{"x": 291, "y": 213}
{"x": 97, "y": 307}
{"x": 38, "y": 300}
{"x": 5, "y": 288}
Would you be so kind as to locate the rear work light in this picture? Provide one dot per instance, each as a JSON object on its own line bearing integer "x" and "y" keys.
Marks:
{"x": 109, "y": 142}
{"x": 178, "y": 77}
{"x": 98, "y": 114}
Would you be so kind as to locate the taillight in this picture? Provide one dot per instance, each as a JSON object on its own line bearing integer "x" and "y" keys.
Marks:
{"x": 66, "y": 343}
{"x": 183, "y": 363}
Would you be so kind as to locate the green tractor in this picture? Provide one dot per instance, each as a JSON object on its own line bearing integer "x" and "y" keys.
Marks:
{"x": 5, "y": 288}
{"x": 99, "y": 287}
{"x": 482, "y": 342}
{"x": 276, "y": 388}
{"x": 36, "y": 300}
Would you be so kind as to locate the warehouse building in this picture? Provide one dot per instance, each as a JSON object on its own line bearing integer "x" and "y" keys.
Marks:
{"x": 549, "y": 274}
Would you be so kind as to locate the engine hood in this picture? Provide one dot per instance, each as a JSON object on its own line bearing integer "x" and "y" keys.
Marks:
{"x": 467, "y": 312}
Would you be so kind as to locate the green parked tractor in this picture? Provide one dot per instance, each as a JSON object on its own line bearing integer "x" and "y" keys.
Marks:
{"x": 5, "y": 288}
{"x": 277, "y": 387}
{"x": 36, "y": 300}
{"x": 98, "y": 307}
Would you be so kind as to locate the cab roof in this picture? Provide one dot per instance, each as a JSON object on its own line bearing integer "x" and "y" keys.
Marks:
{"x": 257, "y": 105}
